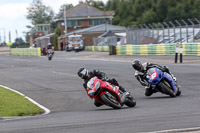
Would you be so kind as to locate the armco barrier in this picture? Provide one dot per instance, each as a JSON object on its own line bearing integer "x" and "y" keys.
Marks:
{"x": 26, "y": 51}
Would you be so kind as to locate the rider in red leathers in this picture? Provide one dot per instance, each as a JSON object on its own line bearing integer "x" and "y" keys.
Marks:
{"x": 84, "y": 74}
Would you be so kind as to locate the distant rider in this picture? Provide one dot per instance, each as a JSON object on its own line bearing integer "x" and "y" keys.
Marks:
{"x": 49, "y": 48}
{"x": 86, "y": 76}
{"x": 140, "y": 74}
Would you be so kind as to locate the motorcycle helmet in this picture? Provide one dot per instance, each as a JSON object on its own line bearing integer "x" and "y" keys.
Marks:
{"x": 82, "y": 73}
{"x": 137, "y": 65}
{"x": 49, "y": 44}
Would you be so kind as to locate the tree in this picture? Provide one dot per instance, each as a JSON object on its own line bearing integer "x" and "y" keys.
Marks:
{"x": 61, "y": 10}
{"x": 19, "y": 43}
{"x": 39, "y": 13}
{"x": 149, "y": 16}
{"x": 57, "y": 34}
{"x": 98, "y": 4}
{"x": 162, "y": 9}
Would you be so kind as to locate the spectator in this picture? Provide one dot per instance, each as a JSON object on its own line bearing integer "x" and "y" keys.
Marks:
{"x": 61, "y": 45}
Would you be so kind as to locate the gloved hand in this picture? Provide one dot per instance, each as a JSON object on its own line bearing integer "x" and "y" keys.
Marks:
{"x": 165, "y": 69}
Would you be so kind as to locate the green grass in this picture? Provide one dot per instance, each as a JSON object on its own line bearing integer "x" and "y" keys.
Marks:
{"x": 13, "y": 104}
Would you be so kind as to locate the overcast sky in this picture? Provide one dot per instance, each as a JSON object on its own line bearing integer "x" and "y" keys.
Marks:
{"x": 13, "y": 15}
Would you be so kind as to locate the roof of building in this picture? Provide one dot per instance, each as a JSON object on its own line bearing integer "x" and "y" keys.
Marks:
{"x": 46, "y": 36}
{"x": 84, "y": 10}
{"x": 108, "y": 34}
{"x": 97, "y": 29}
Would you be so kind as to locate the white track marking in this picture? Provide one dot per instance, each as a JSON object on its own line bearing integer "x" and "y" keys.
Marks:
{"x": 63, "y": 73}
{"x": 47, "y": 111}
{"x": 188, "y": 130}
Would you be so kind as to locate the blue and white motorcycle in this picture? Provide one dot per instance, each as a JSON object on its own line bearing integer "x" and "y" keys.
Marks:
{"x": 162, "y": 82}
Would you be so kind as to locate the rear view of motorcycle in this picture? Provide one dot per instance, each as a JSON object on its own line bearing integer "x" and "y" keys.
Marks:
{"x": 162, "y": 82}
{"x": 108, "y": 94}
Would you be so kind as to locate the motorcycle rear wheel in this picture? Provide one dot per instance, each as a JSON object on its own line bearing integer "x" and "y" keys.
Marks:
{"x": 110, "y": 100}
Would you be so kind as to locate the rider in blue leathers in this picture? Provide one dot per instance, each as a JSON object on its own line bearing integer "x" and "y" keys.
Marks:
{"x": 140, "y": 74}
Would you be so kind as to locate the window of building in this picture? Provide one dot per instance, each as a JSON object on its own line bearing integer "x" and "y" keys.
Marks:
{"x": 40, "y": 28}
{"x": 46, "y": 28}
{"x": 79, "y": 23}
{"x": 73, "y": 23}
{"x": 90, "y": 22}
{"x": 94, "y": 22}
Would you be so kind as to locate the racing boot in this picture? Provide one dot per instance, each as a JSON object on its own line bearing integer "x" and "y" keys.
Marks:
{"x": 97, "y": 104}
{"x": 149, "y": 91}
{"x": 122, "y": 89}
{"x": 178, "y": 91}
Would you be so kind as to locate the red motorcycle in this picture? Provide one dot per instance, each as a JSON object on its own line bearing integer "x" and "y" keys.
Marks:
{"x": 107, "y": 94}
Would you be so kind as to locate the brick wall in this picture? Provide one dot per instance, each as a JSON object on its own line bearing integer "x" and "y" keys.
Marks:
{"x": 89, "y": 38}
{"x": 85, "y": 23}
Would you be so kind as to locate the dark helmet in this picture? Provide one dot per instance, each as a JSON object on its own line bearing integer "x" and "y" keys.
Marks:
{"x": 82, "y": 73}
{"x": 137, "y": 65}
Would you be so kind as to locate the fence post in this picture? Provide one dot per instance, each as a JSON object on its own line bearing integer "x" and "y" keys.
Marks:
{"x": 112, "y": 50}
{"x": 176, "y": 54}
{"x": 181, "y": 51}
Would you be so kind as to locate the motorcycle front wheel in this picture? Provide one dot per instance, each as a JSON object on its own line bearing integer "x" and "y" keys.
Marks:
{"x": 50, "y": 56}
{"x": 110, "y": 100}
{"x": 130, "y": 101}
{"x": 166, "y": 87}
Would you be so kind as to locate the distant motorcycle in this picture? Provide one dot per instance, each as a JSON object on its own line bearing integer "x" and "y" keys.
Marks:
{"x": 107, "y": 94}
{"x": 162, "y": 82}
{"x": 50, "y": 53}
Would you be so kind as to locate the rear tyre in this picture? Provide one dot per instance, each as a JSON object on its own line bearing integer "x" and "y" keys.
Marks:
{"x": 130, "y": 101}
{"x": 110, "y": 100}
{"x": 166, "y": 87}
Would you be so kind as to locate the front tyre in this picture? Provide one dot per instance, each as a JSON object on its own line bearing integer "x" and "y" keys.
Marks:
{"x": 166, "y": 87}
{"x": 50, "y": 57}
{"x": 179, "y": 91}
{"x": 130, "y": 101}
{"x": 110, "y": 100}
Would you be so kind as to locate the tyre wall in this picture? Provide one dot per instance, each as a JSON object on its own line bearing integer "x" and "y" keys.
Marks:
{"x": 26, "y": 51}
{"x": 151, "y": 49}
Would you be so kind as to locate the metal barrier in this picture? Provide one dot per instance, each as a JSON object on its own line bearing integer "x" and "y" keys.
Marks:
{"x": 4, "y": 50}
{"x": 182, "y": 31}
{"x": 105, "y": 41}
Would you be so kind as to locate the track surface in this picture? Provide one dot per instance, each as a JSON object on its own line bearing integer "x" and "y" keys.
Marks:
{"x": 54, "y": 84}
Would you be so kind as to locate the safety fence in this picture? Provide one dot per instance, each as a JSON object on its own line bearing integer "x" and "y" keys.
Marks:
{"x": 26, "y": 51}
{"x": 151, "y": 49}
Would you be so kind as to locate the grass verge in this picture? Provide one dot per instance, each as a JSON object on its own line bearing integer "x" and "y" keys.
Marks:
{"x": 13, "y": 104}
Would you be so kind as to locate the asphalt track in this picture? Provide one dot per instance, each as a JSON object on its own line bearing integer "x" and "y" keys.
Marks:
{"x": 54, "y": 84}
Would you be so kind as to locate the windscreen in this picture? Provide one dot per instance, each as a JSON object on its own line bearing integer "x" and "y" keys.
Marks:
{"x": 75, "y": 39}
{"x": 90, "y": 83}
{"x": 150, "y": 71}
